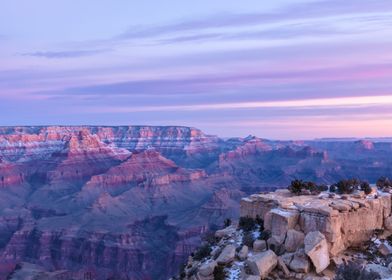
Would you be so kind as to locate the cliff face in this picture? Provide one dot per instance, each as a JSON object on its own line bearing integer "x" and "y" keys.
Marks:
{"x": 133, "y": 254}
{"x": 345, "y": 221}
{"x": 127, "y": 192}
{"x": 147, "y": 168}
{"x": 103, "y": 199}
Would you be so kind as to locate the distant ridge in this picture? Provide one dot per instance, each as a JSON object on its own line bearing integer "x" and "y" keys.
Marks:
{"x": 352, "y": 139}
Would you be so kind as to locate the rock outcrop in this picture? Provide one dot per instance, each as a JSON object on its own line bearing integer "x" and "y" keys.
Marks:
{"x": 263, "y": 263}
{"x": 294, "y": 240}
{"x": 344, "y": 222}
{"x": 316, "y": 248}
{"x": 302, "y": 237}
{"x": 227, "y": 255}
{"x": 148, "y": 168}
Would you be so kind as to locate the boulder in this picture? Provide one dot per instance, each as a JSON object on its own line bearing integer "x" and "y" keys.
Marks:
{"x": 388, "y": 223}
{"x": 207, "y": 268}
{"x": 216, "y": 251}
{"x": 252, "y": 277}
{"x": 287, "y": 258}
{"x": 313, "y": 277}
{"x": 316, "y": 248}
{"x": 283, "y": 267}
{"x": 386, "y": 203}
{"x": 267, "y": 221}
{"x": 294, "y": 240}
{"x": 300, "y": 262}
{"x": 227, "y": 255}
{"x": 198, "y": 276}
{"x": 299, "y": 276}
{"x": 263, "y": 263}
{"x": 275, "y": 245}
{"x": 341, "y": 206}
{"x": 385, "y": 234}
{"x": 243, "y": 253}
{"x": 259, "y": 245}
{"x": 282, "y": 220}
{"x": 358, "y": 194}
{"x": 355, "y": 205}
{"x": 385, "y": 249}
{"x": 329, "y": 273}
{"x": 226, "y": 232}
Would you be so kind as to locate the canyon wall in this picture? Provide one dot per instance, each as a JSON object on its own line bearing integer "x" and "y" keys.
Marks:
{"x": 115, "y": 201}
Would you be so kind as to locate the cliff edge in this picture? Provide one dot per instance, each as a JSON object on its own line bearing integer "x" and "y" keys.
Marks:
{"x": 281, "y": 235}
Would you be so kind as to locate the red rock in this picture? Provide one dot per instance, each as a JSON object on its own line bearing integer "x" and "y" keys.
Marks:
{"x": 146, "y": 168}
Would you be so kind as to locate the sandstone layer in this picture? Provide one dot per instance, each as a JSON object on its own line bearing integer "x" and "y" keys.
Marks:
{"x": 345, "y": 222}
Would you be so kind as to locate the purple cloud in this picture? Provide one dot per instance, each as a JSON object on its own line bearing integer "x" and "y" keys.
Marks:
{"x": 301, "y": 11}
{"x": 287, "y": 31}
{"x": 252, "y": 81}
{"x": 66, "y": 54}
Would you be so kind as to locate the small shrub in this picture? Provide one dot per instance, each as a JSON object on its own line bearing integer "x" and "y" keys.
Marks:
{"x": 202, "y": 252}
{"x": 248, "y": 239}
{"x": 366, "y": 187}
{"x": 354, "y": 182}
{"x": 299, "y": 187}
{"x": 227, "y": 222}
{"x": 354, "y": 271}
{"x": 296, "y": 186}
{"x": 322, "y": 188}
{"x": 246, "y": 224}
{"x": 219, "y": 272}
{"x": 310, "y": 186}
{"x": 346, "y": 186}
{"x": 264, "y": 235}
{"x": 260, "y": 222}
{"x": 383, "y": 182}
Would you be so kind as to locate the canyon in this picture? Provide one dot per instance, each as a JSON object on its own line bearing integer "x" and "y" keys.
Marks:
{"x": 132, "y": 202}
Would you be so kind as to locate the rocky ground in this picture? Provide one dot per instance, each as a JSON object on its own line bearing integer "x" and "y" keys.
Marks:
{"x": 288, "y": 244}
{"x": 238, "y": 261}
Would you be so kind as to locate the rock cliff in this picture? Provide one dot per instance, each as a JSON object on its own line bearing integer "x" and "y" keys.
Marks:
{"x": 345, "y": 222}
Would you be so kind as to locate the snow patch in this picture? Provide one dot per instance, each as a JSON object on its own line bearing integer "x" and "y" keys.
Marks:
{"x": 234, "y": 273}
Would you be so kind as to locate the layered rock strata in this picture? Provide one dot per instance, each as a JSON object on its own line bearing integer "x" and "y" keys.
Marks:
{"x": 106, "y": 179}
{"x": 345, "y": 221}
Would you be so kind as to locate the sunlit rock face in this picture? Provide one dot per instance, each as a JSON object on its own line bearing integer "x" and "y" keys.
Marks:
{"x": 122, "y": 192}
{"x": 112, "y": 200}
{"x": 344, "y": 222}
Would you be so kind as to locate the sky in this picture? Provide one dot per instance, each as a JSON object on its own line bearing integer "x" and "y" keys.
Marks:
{"x": 282, "y": 69}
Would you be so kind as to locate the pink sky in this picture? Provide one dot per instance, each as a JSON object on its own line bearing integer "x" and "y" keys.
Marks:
{"x": 285, "y": 69}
